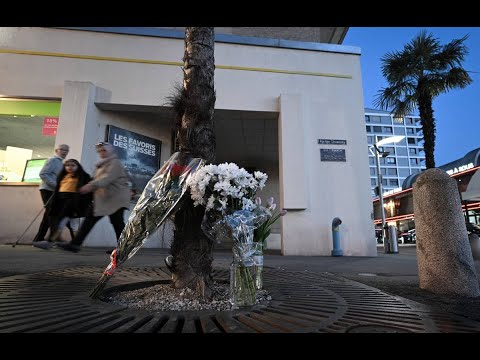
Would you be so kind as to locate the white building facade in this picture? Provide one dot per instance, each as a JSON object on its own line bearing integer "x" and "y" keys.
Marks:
{"x": 293, "y": 110}
{"x": 405, "y": 157}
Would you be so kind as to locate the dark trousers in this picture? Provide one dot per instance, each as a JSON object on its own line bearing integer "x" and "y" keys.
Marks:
{"x": 45, "y": 224}
{"x": 116, "y": 219}
{"x": 46, "y": 220}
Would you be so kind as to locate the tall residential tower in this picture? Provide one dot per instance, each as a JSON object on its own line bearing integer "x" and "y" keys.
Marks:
{"x": 405, "y": 157}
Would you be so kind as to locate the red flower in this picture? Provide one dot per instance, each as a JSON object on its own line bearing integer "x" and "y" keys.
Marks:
{"x": 177, "y": 170}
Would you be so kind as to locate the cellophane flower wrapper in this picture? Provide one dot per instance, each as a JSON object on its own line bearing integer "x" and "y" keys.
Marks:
{"x": 241, "y": 224}
{"x": 238, "y": 226}
{"x": 160, "y": 197}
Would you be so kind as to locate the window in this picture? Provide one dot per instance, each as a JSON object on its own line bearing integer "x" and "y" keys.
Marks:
{"x": 371, "y": 160}
{"x": 412, "y": 151}
{"x": 367, "y": 118}
{"x": 370, "y": 139}
{"x": 373, "y": 171}
{"x": 410, "y": 131}
{"x": 413, "y": 162}
{"x": 393, "y": 182}
{"x": 398, "y": 120}
{"x": 369, "y": 128}
{"x": 391, "y": 160}
{"x": 373, "y": 182}
{"x": 28, "y": 130}
{"x": 377, "y": 129}
{"x": 385, "y": 119}
{"x": 387, "y": 129}
{"x": 392, "y": 171}
{"x": 402, "y": 151}
{"x": 375, "y": 119}
{"x": 412, "y": 141}
{"x": 402, "y": 161}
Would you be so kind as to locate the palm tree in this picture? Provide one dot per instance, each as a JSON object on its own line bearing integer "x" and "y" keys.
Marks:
{"x": 193, "y": 104}
{"x": 419, "y": 73}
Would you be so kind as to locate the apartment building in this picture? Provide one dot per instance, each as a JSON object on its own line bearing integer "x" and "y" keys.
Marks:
{"x": 405, "y": 157}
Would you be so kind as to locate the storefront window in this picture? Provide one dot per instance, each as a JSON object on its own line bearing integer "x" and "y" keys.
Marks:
{"x": 27, "y": 137}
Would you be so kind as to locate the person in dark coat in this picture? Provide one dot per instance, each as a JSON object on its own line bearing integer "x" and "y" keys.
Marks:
{"x": 67, "y": 202}
{"x": 49, "y": 174}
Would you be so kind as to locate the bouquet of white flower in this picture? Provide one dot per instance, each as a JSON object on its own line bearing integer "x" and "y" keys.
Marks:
{"x": 227, "y": 192}
{"x": 225, "y": 187}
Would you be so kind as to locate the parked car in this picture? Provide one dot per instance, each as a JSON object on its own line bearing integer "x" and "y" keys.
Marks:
{"x": 409, "y": 236}
{"x": 472, "y": 228}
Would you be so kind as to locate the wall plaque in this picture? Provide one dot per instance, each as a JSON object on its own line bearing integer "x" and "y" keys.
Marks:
{"x": 332, "y": 155}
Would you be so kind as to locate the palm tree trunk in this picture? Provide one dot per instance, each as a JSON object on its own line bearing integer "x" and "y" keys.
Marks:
{"x": 197, "y": 128}
{"x": 194, "y": 106}
{"x": 428, "y": 127}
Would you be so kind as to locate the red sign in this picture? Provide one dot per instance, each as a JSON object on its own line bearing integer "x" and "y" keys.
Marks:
{"x": 50, "y": 125}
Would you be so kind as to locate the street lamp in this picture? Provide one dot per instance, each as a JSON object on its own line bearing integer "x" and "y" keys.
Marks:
{"x": 378, "y": 153}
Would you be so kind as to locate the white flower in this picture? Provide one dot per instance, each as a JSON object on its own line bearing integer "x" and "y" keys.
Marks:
{"x": 225, "y": 186}
{"x": 211, "y": 202}
{"x": 248, "y": 204}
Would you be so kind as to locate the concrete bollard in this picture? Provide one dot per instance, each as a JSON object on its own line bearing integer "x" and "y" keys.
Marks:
{"x": 445, "y": 261}
{"x": 337, "y": 251}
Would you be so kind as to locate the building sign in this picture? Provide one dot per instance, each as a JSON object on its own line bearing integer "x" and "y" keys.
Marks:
{"x": 139, "y": 154}
{"x": 50, "y": 125}
{"x": 332, "y": 155}
{"x": 331, "y": 142}
{"x": 460, "y": 169}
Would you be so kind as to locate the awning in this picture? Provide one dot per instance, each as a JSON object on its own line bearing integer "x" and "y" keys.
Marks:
{"x": 473, "y": 189}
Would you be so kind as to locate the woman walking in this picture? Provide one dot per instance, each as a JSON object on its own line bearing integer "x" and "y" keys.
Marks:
{"x": 111, "y": 195}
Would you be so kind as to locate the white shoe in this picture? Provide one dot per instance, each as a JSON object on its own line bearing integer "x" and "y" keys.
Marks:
{"x": 169, "y": 262}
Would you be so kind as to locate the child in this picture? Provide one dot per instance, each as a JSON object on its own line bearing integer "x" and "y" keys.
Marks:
{"x": 67, "y": 202}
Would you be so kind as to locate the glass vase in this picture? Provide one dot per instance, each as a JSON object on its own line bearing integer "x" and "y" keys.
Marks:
{"x": 242, "y": 284}
{"x": 258, "y": 265}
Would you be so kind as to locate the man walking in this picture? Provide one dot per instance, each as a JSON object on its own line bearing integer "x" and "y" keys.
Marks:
{"x": 49, "y": 174}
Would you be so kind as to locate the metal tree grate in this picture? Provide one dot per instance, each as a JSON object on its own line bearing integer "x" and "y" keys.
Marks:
{"x": 58, "y": 301}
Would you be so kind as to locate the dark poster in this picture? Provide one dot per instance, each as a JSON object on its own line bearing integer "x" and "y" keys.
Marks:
{"x": 139, "y": 154}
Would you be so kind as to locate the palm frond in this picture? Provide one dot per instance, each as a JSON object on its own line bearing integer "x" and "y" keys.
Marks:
{"x": 454, "y": 52}
{"x": 457, "y": 77}
{"x": 396, "y": 67}
{"x": 387, "y": 97}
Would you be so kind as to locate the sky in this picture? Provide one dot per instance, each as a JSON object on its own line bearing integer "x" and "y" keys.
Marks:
{"x": 457, "y": 113}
